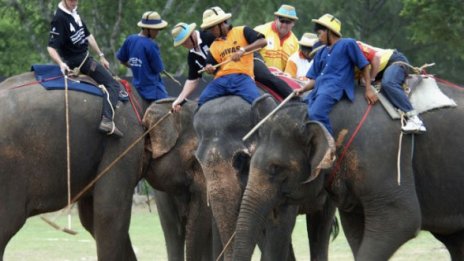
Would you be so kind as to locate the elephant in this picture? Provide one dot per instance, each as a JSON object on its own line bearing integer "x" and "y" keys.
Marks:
{"x": 180, "y": 190}
{"x": 387, "y": 187}
{"x": 220, "y": 125}
{"x": 33, "y": 162}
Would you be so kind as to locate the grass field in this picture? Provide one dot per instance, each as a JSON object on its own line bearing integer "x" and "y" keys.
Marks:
{"x": 37, "y": 241}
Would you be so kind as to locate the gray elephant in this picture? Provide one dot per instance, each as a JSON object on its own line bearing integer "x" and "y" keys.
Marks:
{"x": 33, "y": 163}
{"x": 173, "y": 170}
{"x": 220, "y": 125}
{"x": 378, "y": 214}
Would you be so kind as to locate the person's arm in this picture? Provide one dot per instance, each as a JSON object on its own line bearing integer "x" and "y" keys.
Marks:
{"x": 370, "y": 95}
{"x": 308, "y": 86}
{"x": 375, "y": 65}
{"x": 255, "y": 39}
{"x": 189, "y": 87}
{"x": 93, "y": 44}
{"x": 57, "y": 59}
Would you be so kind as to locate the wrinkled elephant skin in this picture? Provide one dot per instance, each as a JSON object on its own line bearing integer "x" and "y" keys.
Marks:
{"x": 378, "y": 213}
{"x": 33, "y": 163}
{"x": 175, "y": 173}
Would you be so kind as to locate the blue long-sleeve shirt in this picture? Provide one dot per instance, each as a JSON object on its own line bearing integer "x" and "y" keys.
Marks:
{"x": 333, "y": 69}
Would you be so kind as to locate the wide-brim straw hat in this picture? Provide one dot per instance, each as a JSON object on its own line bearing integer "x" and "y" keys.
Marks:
{"x": 308, "y": 39}
{"x": 287, "y": 11}
{"x": 214, "y": 16}
{"x": 331, "y": 22}
{"x": 152, "y": 20}
{"x": 181, "y": 32}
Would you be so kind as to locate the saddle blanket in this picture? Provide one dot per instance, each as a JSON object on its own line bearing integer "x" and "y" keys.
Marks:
{"x": 424, "y": 97}
{"x": 48, "y": 76}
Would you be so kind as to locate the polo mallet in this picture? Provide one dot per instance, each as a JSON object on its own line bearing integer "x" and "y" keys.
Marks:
{"x": 68, "y": 166}
{"x": 171, "y": 77}
{"x": 268, "y": 116}
{"x": 228, "y": 60}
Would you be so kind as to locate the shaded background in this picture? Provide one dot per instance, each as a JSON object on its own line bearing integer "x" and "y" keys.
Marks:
{"x": 424, "y": 30}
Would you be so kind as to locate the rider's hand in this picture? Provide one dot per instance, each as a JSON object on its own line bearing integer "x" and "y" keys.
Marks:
{"x": 64, "y": 68}
{"x": 299, "y": 91}
{"x": 371, "y": 96}
{"x": 177, "y": 104}
{"x": 104, "y": 62}
{"x": 209, "y": 69}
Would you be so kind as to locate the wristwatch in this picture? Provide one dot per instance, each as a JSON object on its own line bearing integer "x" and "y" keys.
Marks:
{"x": 101, "y": 54}
{"x": 242, "y": 49}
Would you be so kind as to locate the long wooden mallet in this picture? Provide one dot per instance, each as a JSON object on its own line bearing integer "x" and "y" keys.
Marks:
{"x": 228, "y": 60}
{"x": 268, "y": 116}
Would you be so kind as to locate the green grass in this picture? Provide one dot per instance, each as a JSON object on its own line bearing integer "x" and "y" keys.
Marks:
{"x": 38, "y": 241}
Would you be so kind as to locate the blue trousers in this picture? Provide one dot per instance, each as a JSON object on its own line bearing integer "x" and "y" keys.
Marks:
{"x": 392, "y": 83}
{"x": 319, "y": 108}
{"x": 233, "y": 84}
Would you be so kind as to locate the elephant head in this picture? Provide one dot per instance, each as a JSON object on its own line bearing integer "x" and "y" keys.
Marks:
{"x": 277, "y": 177}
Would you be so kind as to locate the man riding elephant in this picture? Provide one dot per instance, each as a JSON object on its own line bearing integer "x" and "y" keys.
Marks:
{"x": 68, "y": 46}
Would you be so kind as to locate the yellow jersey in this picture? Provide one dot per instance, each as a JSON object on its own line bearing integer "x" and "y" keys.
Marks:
{"x": 278, "y": 50}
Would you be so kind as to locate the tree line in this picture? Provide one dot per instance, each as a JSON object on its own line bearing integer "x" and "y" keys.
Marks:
{"x": 424, "y": 30}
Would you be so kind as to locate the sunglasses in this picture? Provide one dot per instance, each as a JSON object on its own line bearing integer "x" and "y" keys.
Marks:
{"x": 285, "y": 21}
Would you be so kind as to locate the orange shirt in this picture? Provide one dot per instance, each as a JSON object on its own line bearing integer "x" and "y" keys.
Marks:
{"x": 223, "y": 49}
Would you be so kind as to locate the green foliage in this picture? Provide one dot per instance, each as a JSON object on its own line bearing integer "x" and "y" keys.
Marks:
{"x": 424, "y": 30}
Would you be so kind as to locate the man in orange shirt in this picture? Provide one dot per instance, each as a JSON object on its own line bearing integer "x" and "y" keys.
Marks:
{"x": 235, "y": 76}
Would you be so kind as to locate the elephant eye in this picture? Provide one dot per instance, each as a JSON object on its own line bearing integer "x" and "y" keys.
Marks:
{"x": 275, "y": 169}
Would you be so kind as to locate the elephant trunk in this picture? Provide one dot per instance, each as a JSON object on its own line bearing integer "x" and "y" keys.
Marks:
{"x": 258, "y": 200}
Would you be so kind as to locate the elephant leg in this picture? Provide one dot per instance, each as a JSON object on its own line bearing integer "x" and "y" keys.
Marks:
{"x": 319, "y": 225}
{"x": 12, "y": 218}
{"x": 198, "y": 228}
{"x": 454, "y": 243}
{"x": 171, "y": 222}
{"x": 278, "y": 233}
{"x": 85, "y": 208}
{"x": 112, "y": 212}
{"x": 388, "y": 225}
{"x": 353, "y": 227}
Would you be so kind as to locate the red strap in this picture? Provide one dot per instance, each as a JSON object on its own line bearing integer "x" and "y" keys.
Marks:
{"x": 36, "y": 82}
{"x": 348, "y": 144}
{"x": 449, "y": 83}
{"x": 135, "y": 104}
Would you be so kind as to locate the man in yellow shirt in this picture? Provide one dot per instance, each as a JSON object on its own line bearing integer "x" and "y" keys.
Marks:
{"x": 281, "y": 42}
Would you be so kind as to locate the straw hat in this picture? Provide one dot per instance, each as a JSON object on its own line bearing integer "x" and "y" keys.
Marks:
{"x": 181, "y": 32}
{"x": 213, "y": 16}
{"x": 152, "y": 20}
{"x": 331, "y": 22}
{"x": 287, "y": 11}
{"x": 308, "y": 39}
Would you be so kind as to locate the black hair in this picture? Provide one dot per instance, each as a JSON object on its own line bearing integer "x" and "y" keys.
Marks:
{"x": 318, "y": 26}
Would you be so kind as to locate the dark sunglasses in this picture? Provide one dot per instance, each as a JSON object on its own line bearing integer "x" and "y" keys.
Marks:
{"x": 285, "y": 21}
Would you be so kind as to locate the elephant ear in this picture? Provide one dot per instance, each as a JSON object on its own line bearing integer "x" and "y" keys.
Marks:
{"x": 321, "y": 148}
{"x": 262, "y": 106}
{"x": 165, "y": 134}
